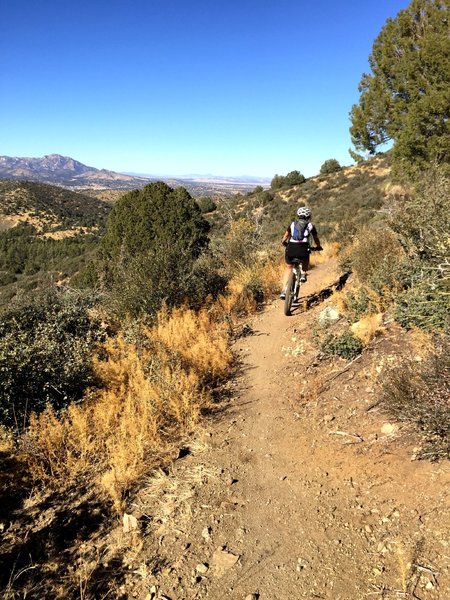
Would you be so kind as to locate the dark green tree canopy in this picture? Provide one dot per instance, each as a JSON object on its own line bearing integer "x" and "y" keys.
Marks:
{"x": 330, "y": 166}
{"x": 406, "y": 97}
{"x": 294, "y": 178}
{"x": 277, "y": 182}
{"x": 156, "y": 217}
{"x": 149, "y": 253}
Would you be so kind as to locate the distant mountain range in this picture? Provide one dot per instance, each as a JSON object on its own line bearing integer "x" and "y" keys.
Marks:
{"x": 66, "y": 172}
{"x": 70, "y": 173}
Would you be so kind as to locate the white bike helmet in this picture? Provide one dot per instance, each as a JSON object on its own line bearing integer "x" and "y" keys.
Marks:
{"x": 304, "y": 212}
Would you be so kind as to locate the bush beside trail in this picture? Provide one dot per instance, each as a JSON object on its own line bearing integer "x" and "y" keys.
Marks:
{"x": 420, "y": 394}
{"x": 46, "y": 347}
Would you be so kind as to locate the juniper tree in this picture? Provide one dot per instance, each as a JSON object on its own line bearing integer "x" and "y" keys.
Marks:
{"x": 153, "y": 238}
{"x": 406, "y": 97}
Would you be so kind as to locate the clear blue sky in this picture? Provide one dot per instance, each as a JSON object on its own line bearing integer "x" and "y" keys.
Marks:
{"x": 252, "y": 87}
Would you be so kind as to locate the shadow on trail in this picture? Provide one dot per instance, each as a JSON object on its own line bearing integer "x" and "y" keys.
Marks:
{"x": 307, "y": 302}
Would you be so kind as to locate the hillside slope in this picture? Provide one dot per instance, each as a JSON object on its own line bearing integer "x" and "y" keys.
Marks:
{"x": 298, "y": 487}
{"x": 47, "y": 234}
{"x": 48, "y": 206}
{"x": 341, "y": 202}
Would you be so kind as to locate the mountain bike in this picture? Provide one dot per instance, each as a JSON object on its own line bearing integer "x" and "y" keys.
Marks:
{"x": 296, "y": 278}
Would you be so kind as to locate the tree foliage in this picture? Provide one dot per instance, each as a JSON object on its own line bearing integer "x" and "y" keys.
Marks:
{"x": 330, "y": 166}
{"x": 294, "y": 178}
{"x": 206, "y": 204}
{"x": 155, "y": 218}
{"x": 154, "y": 236}
{"x": 277, "y": 182}
{"x": 406, "y": 97}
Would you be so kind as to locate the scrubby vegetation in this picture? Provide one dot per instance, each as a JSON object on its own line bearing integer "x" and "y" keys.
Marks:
{"x": 345, "y": 344}
{"x": 47, "y": 235}
{"x": 46, "y": 348}
{"x": 103, "y": 396}
{"x": 420, "y": 394}
{"x": 101, "y": 386}
{"x": 330, "y": 166}
{"x": 151, "y": 391}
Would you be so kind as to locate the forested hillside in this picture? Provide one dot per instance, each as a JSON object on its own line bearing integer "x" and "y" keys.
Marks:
{"x": 47, "y": 234}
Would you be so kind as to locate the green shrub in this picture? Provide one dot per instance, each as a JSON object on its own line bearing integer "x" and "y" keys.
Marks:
{"x": 377, "y": 258}
{"x": 294, "y": 178}
{"x": 420, "y": 394}
{"x": 345, "y": 345}
{"x": 421, "y": 222}
{"x": 154, "y": 236}
{"x": 425, "y": 305}
{"x": 330, "y": 166}
{"x": 359, "y": 303}
{"x": 206, "y": 204}
{"x": 46, "y": 348}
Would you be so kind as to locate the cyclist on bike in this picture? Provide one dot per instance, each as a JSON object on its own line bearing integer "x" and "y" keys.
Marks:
{"x": 296, "y": 239}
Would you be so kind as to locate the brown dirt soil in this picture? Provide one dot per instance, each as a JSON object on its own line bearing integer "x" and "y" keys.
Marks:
{"x": 298, "y": 487}
{"x": 300, "y": 494}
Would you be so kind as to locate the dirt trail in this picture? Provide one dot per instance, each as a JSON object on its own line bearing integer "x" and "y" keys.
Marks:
{"x": 292, "y": 499}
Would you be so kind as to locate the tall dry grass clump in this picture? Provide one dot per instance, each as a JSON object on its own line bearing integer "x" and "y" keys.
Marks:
{"x": 330, "y": 251}
{"x": 249, "y": 287}
{"x": 154, "y": 383}
{"x": 152, "y": 395}
{"x": 201, "y": 342}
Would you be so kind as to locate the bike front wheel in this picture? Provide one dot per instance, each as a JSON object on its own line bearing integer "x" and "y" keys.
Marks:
{"x": 289, "y": 294}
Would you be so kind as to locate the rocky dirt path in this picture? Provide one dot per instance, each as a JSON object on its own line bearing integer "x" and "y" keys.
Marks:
{"x": 300, "y": 498}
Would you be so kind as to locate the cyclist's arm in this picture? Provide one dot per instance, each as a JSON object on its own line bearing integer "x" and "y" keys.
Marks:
{"x": 286, "y": 236}
{"x": 316, "y": 237}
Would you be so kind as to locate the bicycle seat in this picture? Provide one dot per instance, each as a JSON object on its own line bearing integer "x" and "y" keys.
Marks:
{"x": 296, "y": 261}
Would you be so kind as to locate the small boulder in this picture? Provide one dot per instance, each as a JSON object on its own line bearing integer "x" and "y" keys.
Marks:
{"x": 130, "y": 523}
{"x": 389, "y": 428}
{"x": 329, "y": 315}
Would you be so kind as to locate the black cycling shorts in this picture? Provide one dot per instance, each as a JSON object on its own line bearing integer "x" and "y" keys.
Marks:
{"x": 300, "y": 250}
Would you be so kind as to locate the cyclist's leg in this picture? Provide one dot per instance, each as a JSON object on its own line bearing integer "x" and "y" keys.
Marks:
{"x": 305, "y": 267}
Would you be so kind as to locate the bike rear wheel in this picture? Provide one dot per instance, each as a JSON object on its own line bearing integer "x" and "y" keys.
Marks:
{"x": 289, "y": 294}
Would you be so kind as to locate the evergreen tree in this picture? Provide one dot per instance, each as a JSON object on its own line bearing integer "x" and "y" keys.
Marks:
{"x": 330, "y": 166}
{"x": 277, "y": 182}
{"x": 153, "y": 238}
{"x": 294, "y": 178}
{"x": 406, "y": 97}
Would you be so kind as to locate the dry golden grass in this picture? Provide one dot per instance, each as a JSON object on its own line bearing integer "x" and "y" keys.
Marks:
{"x": 422, "y": 343}
{"x": 264, "y": 277}
{"x": 330, "y": 250}
{"x": 368, "y": 327}
{"x": 149, "y": 400}
{"x": 193, "y": 335}
{"x": 6, "y": 440}
{"x": 338, "y": 301}
{"x": 150, "y": 397}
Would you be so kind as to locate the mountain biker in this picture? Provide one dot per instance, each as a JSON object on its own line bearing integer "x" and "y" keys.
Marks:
{"x": 296, "y": 239}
